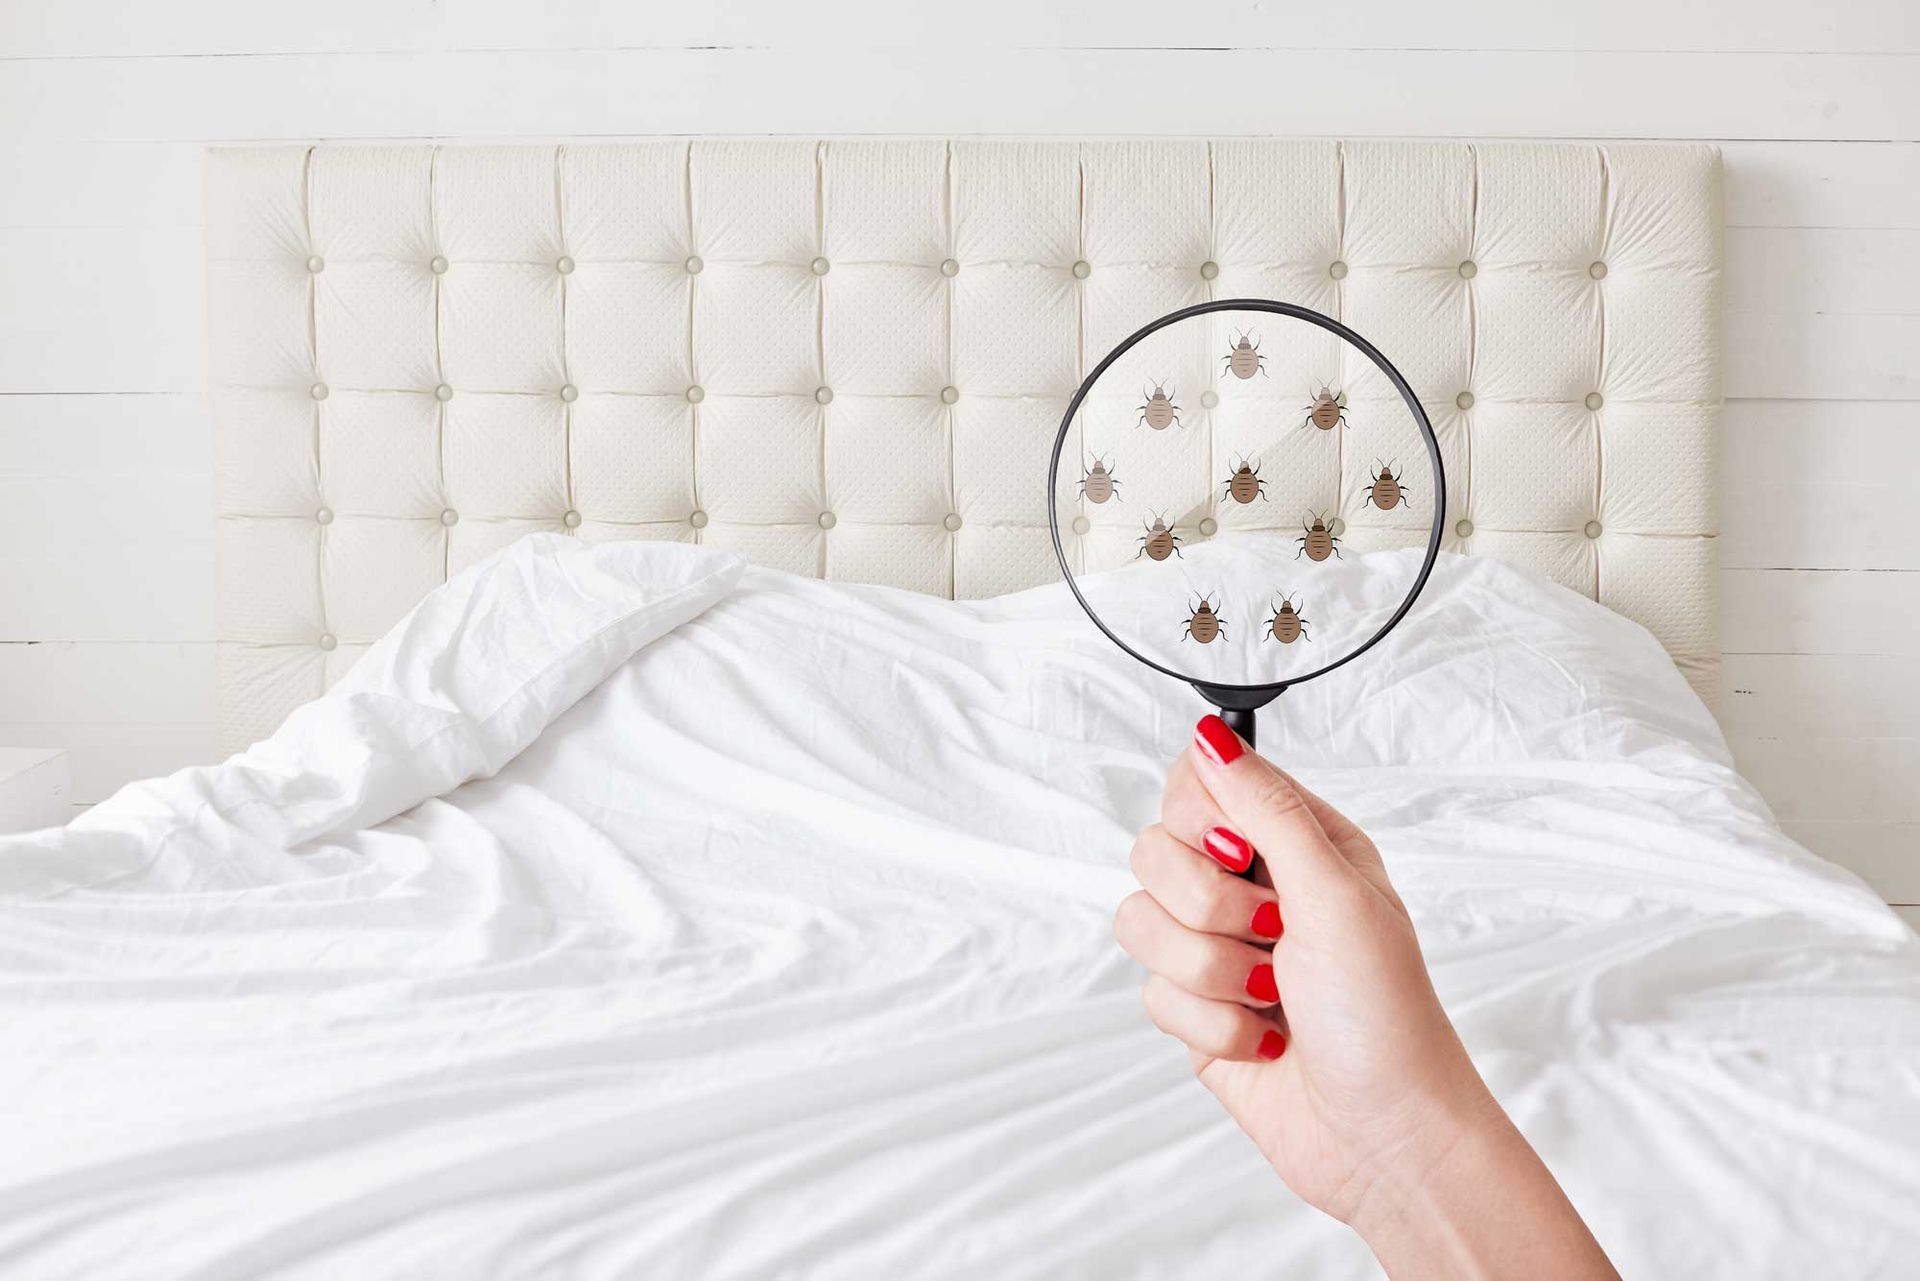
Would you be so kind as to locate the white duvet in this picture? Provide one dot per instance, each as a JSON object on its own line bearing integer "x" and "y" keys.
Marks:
{"x": 631, "y": 913}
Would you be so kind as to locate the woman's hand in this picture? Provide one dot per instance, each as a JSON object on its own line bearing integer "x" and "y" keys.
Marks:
{"x": 1307, "y": 1009}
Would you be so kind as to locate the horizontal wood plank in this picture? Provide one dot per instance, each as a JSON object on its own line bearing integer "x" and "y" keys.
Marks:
{"x": 1884, "y": 855}
{"x": 1822, "y": 184}
{"x": 1841, "y": 696}
{"x": 79, "y": 28}
{"x": 1806, "y": 271}
{"x": 1819, "y": 485}
{"x": 929, "y": 90}
{"x": 1807, "y": 778}
{"x": 1820, "y": 611}
{"x": 106, "y": 519}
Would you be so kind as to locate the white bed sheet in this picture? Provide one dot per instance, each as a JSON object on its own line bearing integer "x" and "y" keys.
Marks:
{"x": 785, "y": 949}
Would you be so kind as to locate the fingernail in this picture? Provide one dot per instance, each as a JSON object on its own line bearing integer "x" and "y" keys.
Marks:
{"x": 1272, "y": 1045}
{"x": 1266, "y": 921}
{"x": 1229, "y": 849}
{"x": 1222, "y": 745}
{"x": 1260, "y": 985}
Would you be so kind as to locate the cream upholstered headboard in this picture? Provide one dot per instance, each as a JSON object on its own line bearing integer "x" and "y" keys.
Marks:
{"x": 848, "y": 357}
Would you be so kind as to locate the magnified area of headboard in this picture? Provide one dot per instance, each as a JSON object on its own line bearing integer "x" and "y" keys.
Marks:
{"x": 847, "y": 358}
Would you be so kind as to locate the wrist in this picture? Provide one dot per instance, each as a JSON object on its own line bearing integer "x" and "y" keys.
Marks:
{"x": 1454, "y": 1138}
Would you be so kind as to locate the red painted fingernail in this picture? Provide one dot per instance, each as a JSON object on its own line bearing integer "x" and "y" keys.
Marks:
{"x": 1222, "y": 745}
{"x": 1266, "y": 921}
{"x": 1229, "y": 849}
{"x": 1260, "y": 985}
{"x": 1272, "y": 1045}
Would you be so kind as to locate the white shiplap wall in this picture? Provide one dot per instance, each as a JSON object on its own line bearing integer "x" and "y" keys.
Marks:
{"x": 106, "y": 533}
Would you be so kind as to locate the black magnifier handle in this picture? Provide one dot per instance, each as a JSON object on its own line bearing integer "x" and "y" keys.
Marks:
{"x": 1240, "y": 721}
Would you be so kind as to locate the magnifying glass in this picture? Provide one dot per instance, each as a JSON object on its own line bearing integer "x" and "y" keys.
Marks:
{"x": 1267, "y": 487}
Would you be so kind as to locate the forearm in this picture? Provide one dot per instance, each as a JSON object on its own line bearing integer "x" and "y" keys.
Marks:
{"x": 1477, "y": 1202}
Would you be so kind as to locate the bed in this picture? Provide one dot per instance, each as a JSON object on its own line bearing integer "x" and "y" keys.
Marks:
{"x": 681, "y": 813}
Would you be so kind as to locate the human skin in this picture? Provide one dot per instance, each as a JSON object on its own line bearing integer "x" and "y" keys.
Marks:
{"x": 1353, "y": 1083}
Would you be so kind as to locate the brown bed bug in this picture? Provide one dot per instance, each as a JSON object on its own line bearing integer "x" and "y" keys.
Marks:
{"x": 1287, "y": 625}
{"x": 1385, "y": 490}
{"x": 1159, "y": 412}
{"x": 1244, "y": 483}
{"x": 1159, "y": 542}
{"x": 1098, "y": 485}
{"x": 1328, "y": 410}
{"x": 1203, "y": 624}
{"x": 1318, "y": 542}
{"x": 1243, "y": 358}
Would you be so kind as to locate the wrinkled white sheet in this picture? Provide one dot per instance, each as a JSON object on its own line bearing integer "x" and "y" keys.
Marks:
{"x": 786, "y": 950}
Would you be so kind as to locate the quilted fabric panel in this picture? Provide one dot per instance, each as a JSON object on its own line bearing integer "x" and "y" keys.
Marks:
{"x": 847, "y": 358}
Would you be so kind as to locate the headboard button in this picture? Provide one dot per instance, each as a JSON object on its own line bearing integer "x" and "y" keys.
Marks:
{"x": 449, "y": 518}
{"x": 821, "y": 266}
{"x": 1338, "y": 270}
{"x": 443, "y": 392}
{"x": 694, "y": 265}
{"x": 949, "y": 267}
{"x": 571, "y": 520}
{"x": 564, "y": 266}
{"x": 823, "y": 396}
{"x": 318, "y": 391}
{"x": 1593, "y": 529}
{"x": 438, "y": 266}
{"x": 1595, "y": 400}
{"x": 1337, "y": 527}
{"x": 327, "y": 642}
{"x": 1209, "y": 270}
{"x": 1598, "y": 270}
{"x": 569, "y": 393}
{"x": 1082, "y": 269}
{"x": 1209, "y": 399}
{"x": 949, "y": 394}
{"x": 316, "y": 264}
{"x": 698, "y": 519}
{"x": 828, "y": 520}
{"x": 1209, "y": 527}
{"x": 696, "y": 394}
{"x": 1463, "y": 528}
{"x": 1469, "y": 269}
{"x": 324, "y": 516}
{"x": 1081, "y": 524}
{"x": 1464, "y": 400}
{"x": 952, "y": 522}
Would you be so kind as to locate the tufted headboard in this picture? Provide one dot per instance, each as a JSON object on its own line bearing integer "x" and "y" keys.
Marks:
{"x": 848, "y": 358}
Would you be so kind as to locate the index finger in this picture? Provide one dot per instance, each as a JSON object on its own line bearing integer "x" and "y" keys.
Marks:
{"x": 1219, "y": 782}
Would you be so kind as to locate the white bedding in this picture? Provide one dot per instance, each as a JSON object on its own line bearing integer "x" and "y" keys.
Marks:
{"x": 786, "y": 950}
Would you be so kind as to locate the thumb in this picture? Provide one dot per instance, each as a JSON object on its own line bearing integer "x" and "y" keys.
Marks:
{"x": 1267, "y": 807}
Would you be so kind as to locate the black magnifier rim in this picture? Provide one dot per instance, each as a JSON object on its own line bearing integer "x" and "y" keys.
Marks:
{"x": 1332, "y": 326}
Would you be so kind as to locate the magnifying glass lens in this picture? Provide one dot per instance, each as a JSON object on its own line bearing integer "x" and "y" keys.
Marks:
{"x": 1246, "y": 495}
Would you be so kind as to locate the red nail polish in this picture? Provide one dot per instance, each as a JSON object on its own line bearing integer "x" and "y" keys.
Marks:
{"x": 1272, "y": 1045}
{"x": 1260, "y": 985}
{"x": 1266, "y": 921}
{"x": 1229, "y": 849}
{"x": 1222, "y": 745}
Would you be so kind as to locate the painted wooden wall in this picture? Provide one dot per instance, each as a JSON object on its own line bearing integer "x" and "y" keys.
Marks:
{"x": 106, "y": 541}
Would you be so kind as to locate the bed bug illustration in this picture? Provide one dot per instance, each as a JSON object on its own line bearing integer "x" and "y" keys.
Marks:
{"x": 1098, "y": 485}
{"x": 1328, "y": 410}
{"x": 1243, "y": 358}
{"x": 1159, "y": 412}
{"x": 1287, "y": 625}
{"x": 1318, "y": 542}
{"x": 1203, "y": 624}
{"x": 1159, "y": 542}
{"x": 1244, "y": 484}
{"x": 1385, "y": 490}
